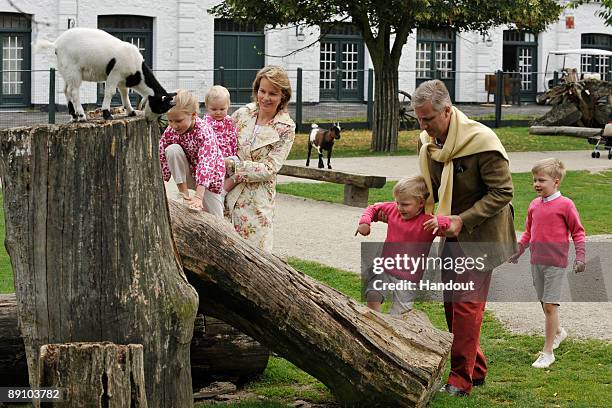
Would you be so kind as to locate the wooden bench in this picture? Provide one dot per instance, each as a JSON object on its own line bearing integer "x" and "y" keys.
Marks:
{"x": 356, "y": 186}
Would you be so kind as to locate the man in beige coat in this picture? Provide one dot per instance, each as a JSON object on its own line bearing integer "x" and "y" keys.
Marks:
{"x": 467, "y": 169}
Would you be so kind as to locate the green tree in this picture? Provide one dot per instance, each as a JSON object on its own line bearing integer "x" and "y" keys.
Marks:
{"x": 605, "y": 11}
{"x": 385, "y": 26}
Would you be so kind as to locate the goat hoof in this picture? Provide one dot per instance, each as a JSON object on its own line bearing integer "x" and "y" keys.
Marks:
{"x": 132, "y": 113}
{"x": 81, "y": 118}
{"x": 106, "y": 114}
{"x": 329, "y": 167}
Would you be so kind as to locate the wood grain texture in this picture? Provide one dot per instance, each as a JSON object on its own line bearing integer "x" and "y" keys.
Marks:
{"x": 94, "y": 375}
{"x": 365, "y": 358}
{"x": 87, "y": 230}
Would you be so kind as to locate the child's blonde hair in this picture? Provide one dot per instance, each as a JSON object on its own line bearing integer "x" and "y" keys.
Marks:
{"x": 413, "y": 187}
{"x": 185, "y": 101}
{"x": 551, "y": 167}
{"x": 217, "y": 92}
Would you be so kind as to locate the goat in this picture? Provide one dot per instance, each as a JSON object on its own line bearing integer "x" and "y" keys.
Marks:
{"x": 322, "y": 139}
{"x": 89, "y": 54}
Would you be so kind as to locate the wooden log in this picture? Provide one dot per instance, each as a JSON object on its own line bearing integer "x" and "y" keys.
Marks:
{"x": 356, "y": 196}
{"x": 218, "y": 351}
{"x": 333, "y": 176}
{"x": 564, "y": 114}
{"x": 575, "y": 131}
{"x": 356, "y": 186}
{"x": 87, "y": 230}
{"x": 95, "y": 375}
{"x": 366, "y": 358}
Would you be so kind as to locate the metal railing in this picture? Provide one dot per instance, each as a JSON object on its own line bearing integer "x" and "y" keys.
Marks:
{"x": 343, "y": 96}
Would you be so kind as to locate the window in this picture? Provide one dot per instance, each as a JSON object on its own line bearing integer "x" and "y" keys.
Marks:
{"x": 15, "y": 61}
{"x": 593, "y": 63}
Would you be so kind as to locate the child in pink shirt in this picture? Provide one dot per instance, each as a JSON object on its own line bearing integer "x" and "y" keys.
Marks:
{"x": 551, "y": 218}
{"x": 406, "y": 223}
{"x": 188, "y": 152}
{"x": 217, "y": 104}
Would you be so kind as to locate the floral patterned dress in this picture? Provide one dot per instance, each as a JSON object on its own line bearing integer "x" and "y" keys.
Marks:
{"x": 200, "y": 146}
{"x": 262, "y": 154}
{"x": 225, "y": 131}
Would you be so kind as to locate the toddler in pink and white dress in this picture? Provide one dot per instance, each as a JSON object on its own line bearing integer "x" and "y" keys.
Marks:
{"x": 217, "y": 103}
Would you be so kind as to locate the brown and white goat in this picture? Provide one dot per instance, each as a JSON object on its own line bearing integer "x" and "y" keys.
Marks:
{"x": 322, "y": 139}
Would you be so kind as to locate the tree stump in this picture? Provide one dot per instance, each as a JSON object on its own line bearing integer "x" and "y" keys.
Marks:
{"x": 218, "y": 351}
{"x": 95, "y": 375}
{"x": 87, "y": 230}
{"x": 366, "y": 358}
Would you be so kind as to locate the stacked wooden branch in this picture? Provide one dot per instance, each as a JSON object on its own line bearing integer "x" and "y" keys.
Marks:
{"x": 582, "y": 103}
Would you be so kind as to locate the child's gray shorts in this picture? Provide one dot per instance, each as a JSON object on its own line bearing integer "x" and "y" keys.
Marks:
{"x": 548, "y": 281}
{"x": 402, "y": 300}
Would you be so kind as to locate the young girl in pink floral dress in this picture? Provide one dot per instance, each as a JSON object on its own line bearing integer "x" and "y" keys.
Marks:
{"x": 188, "y": 151}
{"x": 217, "y": 103}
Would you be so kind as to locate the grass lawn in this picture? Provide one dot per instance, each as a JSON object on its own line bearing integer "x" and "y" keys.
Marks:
{"x": 356, "y": 143}
{"x": 590, "y": 192}
{"x": 581, "y": 376}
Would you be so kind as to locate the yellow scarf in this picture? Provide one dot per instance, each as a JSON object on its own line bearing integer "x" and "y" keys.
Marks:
{"x": 465, "y": 137}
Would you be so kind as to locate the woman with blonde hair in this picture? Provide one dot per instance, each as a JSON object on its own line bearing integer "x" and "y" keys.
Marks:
{"x": 265, "y": 136}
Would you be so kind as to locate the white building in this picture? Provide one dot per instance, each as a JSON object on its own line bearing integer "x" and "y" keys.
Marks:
{"x": 186, "y": 47}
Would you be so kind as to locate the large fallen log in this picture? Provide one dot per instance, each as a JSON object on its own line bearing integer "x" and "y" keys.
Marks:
{"x": 88, "y": 233}
{"x": 581, "y": 132}
{"x": 365, "y": 358}
{"x": 218, "y": 351}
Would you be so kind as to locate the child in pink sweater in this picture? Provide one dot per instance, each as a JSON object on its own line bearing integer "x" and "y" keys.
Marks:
{"x": 406, "y": 223}
{"x": 551, "y": 218}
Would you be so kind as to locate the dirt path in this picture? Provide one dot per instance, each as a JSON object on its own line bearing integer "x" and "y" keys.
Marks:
{"x": 323, "y": 232}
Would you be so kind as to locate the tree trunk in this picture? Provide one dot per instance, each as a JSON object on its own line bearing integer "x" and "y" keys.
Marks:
{"x": 95, "y": 375}
{"x": 364, "y": 357}
{"x": 13, "y": 365}
{"x": 218, "y": 351}
{"x": 386, "y": 108}
{"x": 87, "y": 230}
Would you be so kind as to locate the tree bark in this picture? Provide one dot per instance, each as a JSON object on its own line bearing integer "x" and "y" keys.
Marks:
{"x": 95, "y": 375}
{"x": 218, "y": 351}
{"x": 364, "y": 357}
{"x": 87, "y": 230}
{"x": 386, "y": 108}
{"x": 577, "y": 104}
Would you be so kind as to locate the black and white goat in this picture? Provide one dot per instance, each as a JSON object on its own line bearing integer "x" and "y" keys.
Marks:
{"x": 89, "y": 54}
{"x": 322, "y": 139}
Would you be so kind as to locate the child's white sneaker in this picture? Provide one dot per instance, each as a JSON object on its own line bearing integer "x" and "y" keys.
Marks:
{"x": 559, "y": 337}
{"x": 544, "y": 360}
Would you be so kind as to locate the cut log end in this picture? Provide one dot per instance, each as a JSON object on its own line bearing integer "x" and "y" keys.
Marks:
{"x": 94, "y": 374}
